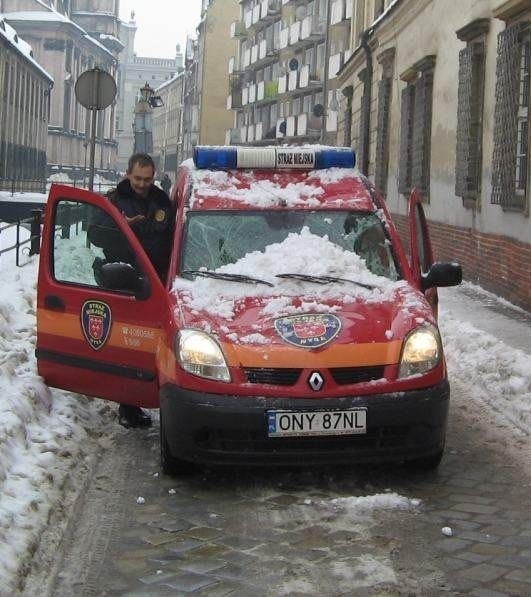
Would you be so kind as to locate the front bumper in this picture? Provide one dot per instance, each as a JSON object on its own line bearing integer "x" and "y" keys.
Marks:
{"x": 217, "y": 429}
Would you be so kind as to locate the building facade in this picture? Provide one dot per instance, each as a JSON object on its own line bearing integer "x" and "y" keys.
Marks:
{"x": 437, "y": 97}
{"x": 167, "y": 126}
{"x": 206, "y": 115}
{"x": 133, "y": 73}
{"x": 65, "y": 49}
{"x": 24, "y": 113}
{"x": 283, "y": 83}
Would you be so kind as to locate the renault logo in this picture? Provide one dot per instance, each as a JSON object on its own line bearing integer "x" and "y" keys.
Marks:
{"x": 316, "y": 381}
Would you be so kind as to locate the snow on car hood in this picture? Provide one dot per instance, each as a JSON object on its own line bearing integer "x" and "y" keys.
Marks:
{"x": 250, "y": 313}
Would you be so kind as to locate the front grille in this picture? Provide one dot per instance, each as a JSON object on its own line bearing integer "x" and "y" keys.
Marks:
{"x": 241, "y": 441}
{"x": 277, "y": 377}
{"x": 348, "y": 375}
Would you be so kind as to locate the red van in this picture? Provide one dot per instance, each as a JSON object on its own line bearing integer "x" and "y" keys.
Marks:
{"x": 292, "y": 327}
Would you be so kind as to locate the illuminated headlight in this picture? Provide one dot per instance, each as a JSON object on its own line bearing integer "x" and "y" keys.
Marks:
{"x": 200, "y": 354}
{"x": 421, "y": 351}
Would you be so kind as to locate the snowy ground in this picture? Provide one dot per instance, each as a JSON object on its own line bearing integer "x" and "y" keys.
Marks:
{"x": 45, "y": 434}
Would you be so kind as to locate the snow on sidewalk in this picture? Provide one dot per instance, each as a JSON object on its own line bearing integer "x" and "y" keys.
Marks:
{"x": 44, "y": 434}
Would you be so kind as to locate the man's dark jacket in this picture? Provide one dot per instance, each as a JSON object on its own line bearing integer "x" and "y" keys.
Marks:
{"x": 155, "y": 232}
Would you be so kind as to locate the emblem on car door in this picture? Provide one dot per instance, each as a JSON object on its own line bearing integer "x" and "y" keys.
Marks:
{"x": 316, "y": 381}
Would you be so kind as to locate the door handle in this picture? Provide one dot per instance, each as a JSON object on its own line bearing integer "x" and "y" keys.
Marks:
{"x": 54, "y": 303}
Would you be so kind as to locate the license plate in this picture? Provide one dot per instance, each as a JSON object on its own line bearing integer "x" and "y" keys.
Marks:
{"x": 285, "y": 423}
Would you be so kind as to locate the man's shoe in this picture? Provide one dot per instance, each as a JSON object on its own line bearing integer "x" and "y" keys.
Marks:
{"x": 133, "y": 416}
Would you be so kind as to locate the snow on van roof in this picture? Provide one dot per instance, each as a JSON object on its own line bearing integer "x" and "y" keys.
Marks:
{"x": 262, "y": 189}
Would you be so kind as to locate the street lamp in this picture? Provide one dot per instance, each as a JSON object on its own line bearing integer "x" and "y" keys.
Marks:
{"x": 143, "y": 122}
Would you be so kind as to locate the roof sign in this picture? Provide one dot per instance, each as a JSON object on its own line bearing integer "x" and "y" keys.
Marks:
{"x": 308, "y": 158}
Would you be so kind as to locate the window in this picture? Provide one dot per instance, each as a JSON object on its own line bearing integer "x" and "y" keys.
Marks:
{"x": 511, "y": 118}
{"x": 415, "y": 129}
{"x": 385, "y": 86}
{"x": 76, "y": 261}
{"x": 470, "y": 112}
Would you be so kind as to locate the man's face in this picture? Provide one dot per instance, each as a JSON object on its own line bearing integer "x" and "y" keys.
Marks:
{"x": 141, "y": 179}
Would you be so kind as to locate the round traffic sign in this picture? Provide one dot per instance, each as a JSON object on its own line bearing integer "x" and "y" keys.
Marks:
{"x": 95, "y": 89}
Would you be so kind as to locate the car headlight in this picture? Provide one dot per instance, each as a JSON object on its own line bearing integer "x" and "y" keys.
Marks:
{"x": 421, "y": 351}
{"x": 200, "y": 354}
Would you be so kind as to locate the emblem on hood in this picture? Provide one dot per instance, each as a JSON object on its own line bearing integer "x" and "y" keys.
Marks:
{"x": 96, "y": 323}
{"x": 308, "y": 331}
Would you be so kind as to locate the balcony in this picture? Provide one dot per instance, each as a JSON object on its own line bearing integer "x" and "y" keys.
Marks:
{"x": 313, "y": 29}
{"x": 309, "y": 125}
{"x": 237, "y": 29}
{"x": 233, "y": 137}
{"x": 294, "y": 33}
{"x": 256, "y": 13}
{"x": 269, "y": 9}
{"x": 293, "y": 80}
{"x": 267, "y": 91}
{"x": 284, "y": 38}
{"x": 254, "y": 53}
{"x": 309, "y": 78}
{"x": 252, "y": 93}
{"x": 246, "y": 58}
{"x": 234, "y": 66}
{"x": 248, "y": 19}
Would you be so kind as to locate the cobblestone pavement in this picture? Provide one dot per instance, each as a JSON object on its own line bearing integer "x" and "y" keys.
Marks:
{"x": 276, "y": 532}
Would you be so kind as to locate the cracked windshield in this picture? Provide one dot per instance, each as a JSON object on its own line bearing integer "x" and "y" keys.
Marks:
{"x": 217, "y": 239}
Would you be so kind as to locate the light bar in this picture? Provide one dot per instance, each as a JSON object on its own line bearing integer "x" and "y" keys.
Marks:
{"x": 280, "y": 158}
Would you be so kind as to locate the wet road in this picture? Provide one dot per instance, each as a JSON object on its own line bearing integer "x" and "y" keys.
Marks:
{"x": 302, "y": 532}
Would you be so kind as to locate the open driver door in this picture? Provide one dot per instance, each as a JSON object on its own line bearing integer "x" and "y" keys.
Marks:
{"x": 98, "y": 323}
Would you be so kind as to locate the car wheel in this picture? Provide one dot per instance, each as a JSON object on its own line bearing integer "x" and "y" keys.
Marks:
{"x": 169, "y": 464}
{"x": 425, "y": 464}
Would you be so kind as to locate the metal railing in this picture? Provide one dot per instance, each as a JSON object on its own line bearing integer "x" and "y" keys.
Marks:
{"x": 34, "y": 240}
{"x": 14, "y": 185}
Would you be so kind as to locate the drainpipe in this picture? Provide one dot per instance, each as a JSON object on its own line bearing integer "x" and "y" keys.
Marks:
{"x": 366, "y": 101}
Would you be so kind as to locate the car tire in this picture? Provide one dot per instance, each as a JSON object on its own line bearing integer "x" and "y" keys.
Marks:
{"x": 426, "y": 463}
{"x": 170, "y": 465}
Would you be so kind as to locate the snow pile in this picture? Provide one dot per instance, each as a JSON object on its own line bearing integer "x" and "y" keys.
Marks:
{"x": 503, "y": 373}
{"x": 44, "y": 433}
{"x": 297, "y": 254}
{"x": 379, "y": 501}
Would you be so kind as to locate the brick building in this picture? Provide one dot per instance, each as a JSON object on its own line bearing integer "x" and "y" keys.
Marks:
{"x": 436, "y": 96}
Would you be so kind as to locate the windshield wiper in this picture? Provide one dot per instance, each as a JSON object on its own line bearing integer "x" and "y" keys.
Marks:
{"x": 229, "y": 277}
{"x": 323, "y": 279}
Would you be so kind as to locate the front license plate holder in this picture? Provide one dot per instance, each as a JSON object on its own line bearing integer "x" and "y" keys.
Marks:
{"x": 300, "y": 423}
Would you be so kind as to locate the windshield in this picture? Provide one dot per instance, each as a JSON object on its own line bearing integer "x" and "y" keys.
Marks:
{"x": 213, "y": 239}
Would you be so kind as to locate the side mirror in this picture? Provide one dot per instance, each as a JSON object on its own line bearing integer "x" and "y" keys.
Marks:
{"x": 123, "y": 276}
{"x": 442, "y": 273}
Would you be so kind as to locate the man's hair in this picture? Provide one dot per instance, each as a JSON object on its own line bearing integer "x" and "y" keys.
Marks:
{"x": 140, "y": 159}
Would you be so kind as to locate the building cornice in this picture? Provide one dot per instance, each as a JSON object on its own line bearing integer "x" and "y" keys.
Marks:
{"x": 511, "y": 9}
{"x": 473, "y": 30}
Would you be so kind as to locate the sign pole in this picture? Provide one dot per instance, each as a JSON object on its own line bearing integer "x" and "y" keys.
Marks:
{"x": 94, "y": 114}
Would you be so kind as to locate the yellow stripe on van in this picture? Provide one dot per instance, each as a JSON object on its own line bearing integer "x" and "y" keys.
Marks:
{"x": 338, "y": 355}
{"x": 123, "y": 335}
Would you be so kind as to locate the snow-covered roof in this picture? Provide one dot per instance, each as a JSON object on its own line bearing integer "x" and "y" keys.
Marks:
{"x": 51, "y": 16}
{"x": 22, "y": 46}
{"x": 169, "y": 81}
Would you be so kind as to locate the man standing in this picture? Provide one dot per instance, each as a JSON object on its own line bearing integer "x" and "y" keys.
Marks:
{"x": 151, "y": 215}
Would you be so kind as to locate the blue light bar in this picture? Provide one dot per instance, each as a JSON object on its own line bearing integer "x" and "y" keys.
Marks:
{"x": 281, "y": 158}
{"x": 215, "y": 158}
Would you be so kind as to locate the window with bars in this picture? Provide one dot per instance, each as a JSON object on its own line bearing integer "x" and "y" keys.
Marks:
{"x": 415, "y": 129}
{"x": 511, "y": 119}
{"x": 385, "y": 86}
{"x": 471, "y": 89}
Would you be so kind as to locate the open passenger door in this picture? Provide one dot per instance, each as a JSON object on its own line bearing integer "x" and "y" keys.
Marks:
{"x": 98, "y": 322}
{"x": 420, "y": 246}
